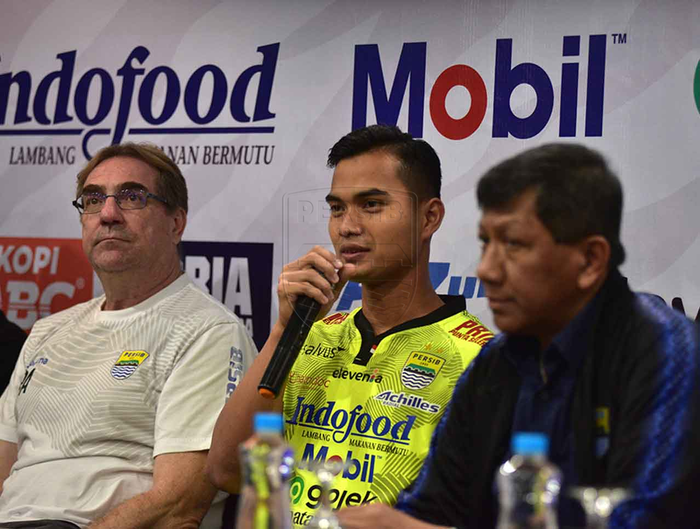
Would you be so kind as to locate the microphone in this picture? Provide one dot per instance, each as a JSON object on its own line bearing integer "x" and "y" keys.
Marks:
{"x": 303, "y": 317}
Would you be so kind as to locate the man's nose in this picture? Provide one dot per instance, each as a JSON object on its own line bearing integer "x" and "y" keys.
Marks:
{"x": 111, "y": 212}
{"x": 490, "y": 268}
{"x": 351, "y": 223}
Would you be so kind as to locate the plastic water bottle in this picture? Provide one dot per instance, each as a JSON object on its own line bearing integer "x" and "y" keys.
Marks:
{"x": 528, "y": 485}
{"x": 599, "y": 503}
{"x": 267, "y": 465}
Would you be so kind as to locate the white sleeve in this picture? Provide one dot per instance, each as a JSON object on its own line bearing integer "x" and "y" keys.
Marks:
{"x": 198, "y": 387}
{"x": 8, "y": 421}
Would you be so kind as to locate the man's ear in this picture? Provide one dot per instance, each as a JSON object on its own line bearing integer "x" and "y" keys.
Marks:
{"x": 595, "y": 261}
{"x": 432, "y": 214}
{"x": 179, "y": 221}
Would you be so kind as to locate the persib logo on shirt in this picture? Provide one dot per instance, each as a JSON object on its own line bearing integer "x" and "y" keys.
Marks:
{"x": 421, "y": 369}
{"x": 128, "y": 362}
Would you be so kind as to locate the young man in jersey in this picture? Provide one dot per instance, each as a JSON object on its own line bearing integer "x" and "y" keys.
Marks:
{"x": 610, "y": 376}
{"x": 109, "y": 414}
{"x": 368, "y": 387}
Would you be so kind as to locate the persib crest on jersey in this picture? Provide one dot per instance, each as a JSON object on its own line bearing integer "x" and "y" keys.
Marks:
{"x": 421, "y": 369}
{"x": 128, "y": 362}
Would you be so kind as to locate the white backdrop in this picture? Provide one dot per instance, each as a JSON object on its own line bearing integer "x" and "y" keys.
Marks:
{"x": 248, "y": 96}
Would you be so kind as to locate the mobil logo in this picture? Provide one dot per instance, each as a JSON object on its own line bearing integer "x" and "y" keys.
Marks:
{"x": 410, "y": 79}
{"x": 352, "y": 467}
{"x": 39, "y": 277}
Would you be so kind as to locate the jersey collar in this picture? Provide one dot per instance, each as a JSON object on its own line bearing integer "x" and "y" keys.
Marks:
{"x": 452, "y": 305}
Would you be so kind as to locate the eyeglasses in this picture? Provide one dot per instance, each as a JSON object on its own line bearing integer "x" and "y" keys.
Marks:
{"x": 93, "y": 202}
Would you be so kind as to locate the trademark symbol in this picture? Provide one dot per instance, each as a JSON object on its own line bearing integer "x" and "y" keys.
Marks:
{"x": 79, "y": 283}
{"x": 619, "y": 38}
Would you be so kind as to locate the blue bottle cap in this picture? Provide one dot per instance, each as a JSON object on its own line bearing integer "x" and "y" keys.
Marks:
{"x": 530, "y": 443}
{"x": 267, "y": 422}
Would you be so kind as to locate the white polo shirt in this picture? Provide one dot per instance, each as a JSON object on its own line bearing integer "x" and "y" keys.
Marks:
{"x": 96, "y": 395}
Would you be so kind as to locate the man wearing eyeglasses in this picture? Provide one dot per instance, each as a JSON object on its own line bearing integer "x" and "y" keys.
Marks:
{"x": 108, "y": 418}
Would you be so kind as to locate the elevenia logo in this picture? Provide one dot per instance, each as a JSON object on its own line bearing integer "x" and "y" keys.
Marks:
{"x": 367, "y": 376}
{"x": 128, "y": 362}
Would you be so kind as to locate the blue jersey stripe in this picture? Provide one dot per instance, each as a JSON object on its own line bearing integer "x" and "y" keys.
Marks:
{"x": 671, "y": 407}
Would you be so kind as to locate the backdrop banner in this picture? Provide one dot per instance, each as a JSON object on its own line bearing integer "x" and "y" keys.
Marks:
{"x": 248, "y": 96}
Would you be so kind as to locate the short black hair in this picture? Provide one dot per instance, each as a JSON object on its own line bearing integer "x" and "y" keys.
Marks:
{"x": 577, "y": 193}
{"x": 420, "y": 166}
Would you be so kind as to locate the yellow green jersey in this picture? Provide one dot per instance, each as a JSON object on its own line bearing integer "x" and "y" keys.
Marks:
{"x": 371, "y": 403}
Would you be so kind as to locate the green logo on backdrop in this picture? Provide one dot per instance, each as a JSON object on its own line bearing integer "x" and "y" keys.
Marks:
{"x": 696, "y": 86}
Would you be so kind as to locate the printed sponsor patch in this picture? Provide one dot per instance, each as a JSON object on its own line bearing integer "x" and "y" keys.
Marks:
{"x": 602, "y": 424}
{"x": 128, "y": 362}
{"x": 420, "y": 369}
{"x": 336, "y": 319}
{"x": 399, "y": 400}
{"x": 235, "y": 370}
{"x": 602, "y": 420}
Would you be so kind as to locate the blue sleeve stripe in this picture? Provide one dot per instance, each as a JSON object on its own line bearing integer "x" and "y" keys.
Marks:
{"x": 671, "y": 406}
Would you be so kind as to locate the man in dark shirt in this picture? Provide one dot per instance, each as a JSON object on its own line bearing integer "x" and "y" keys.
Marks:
{"x": 611, "y": 377}
{"x": 12, "y": 339}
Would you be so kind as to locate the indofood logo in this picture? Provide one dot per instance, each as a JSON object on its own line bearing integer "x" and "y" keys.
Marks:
{"x": 97, "y": 94}
{"x": 342, "y": 424}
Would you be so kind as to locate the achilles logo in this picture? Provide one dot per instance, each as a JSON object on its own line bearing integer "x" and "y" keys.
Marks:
{"x": 100, "y": 87}
{"x": 397, "y": 400}
{"x": 39, "y": 277}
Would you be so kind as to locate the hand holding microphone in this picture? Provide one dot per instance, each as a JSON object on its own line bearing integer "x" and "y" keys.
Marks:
{"x": 306, "y": 290}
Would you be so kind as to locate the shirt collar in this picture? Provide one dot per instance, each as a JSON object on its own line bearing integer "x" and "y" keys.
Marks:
{"x": 571, "y": 343}
{"x": 573, "y": 340}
